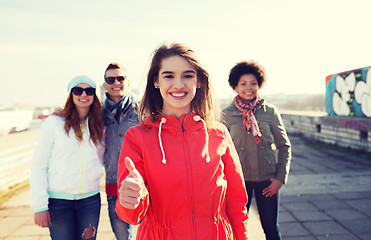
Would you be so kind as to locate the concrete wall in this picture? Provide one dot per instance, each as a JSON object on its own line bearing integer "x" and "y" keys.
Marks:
{"x": 15, "y": 165}
{"x": 348, "y": 132}
{"x": 16, "y": 152}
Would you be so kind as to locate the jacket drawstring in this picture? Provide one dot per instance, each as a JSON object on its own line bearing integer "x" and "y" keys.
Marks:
{"x": 198, "y": 118}
{"x": 163, "y": 120}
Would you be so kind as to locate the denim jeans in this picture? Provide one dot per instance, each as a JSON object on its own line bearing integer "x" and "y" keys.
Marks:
{"x": 267, "y": 208}
{"x": 121, "y": 229}
{"x": 74, "y": 219}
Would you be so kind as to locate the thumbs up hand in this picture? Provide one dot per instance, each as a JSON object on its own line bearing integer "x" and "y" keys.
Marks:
{"x": 132, "y": 188}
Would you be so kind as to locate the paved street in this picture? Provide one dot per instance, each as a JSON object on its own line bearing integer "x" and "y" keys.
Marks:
{"x": 328, "y": 196}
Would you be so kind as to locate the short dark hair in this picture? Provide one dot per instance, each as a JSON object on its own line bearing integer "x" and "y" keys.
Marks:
{"x": 250, "y": 67}
{"x": 114, "y": 65}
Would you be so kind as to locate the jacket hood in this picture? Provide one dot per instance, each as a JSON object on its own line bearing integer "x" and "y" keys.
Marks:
{"x": 186, "y": 122}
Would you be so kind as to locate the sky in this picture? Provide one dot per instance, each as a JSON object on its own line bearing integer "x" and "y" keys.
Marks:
{"x": 45, "y": 43}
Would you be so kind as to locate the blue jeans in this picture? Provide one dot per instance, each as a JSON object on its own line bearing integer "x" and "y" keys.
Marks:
{"x": 267, "y": 208}
{"x": 121, "y": 229}
{"x": 74, "y": 219}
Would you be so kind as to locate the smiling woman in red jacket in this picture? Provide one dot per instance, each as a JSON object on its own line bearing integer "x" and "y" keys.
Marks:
{"x": 179, "y": 174}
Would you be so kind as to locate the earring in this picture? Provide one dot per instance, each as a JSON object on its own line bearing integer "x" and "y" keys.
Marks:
{"x": 156, "y": 86}
{"x": 199, "y": 86}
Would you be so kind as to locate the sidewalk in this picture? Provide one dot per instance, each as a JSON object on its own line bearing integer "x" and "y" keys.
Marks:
{"x": 16, "y": 221}
{"x": 328, "y": 196}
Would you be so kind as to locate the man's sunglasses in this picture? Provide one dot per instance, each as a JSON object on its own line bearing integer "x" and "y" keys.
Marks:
{"x": 111, "y": 80}
{"x": 78, "y": 91}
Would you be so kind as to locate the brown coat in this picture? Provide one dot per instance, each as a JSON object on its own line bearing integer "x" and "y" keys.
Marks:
{"x": 272, "y": 156}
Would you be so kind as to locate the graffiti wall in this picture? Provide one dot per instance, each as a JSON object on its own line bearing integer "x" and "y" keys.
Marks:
{"x": 349, "y": 93}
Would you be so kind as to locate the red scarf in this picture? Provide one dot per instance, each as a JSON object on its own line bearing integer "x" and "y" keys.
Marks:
{"x": 249, "y": 121}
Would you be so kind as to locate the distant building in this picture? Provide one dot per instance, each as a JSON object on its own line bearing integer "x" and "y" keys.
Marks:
{"x": 102, "y": 94}
{"x": 14, "y": 120}
{"x": 42, "y": 112}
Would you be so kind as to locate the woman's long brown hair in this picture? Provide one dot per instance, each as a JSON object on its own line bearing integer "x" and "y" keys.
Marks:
{"x": 72, "y": 120}
{"x": 204, "y": 103}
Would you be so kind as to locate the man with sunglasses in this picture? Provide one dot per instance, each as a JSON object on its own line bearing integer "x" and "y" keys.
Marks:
{"x": 119, "y": 114}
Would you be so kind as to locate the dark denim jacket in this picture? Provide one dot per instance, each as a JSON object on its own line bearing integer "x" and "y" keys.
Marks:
{"x": 114, "y": 136}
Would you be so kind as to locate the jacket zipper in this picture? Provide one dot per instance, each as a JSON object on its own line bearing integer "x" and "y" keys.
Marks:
{"x": 183, "y": 130}
{"x": 83, "y": 155}
{"x": 190, "y": 182}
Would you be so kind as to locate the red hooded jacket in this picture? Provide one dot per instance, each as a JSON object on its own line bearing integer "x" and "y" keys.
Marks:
{"x": 194, "y": 179}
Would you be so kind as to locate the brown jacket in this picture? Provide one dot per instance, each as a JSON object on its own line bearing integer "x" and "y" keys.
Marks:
{"x": 272, "y": 156}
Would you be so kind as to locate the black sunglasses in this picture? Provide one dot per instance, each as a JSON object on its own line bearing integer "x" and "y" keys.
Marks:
{"x": 111, "y": 80}
{"x": 78, "y": 91}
